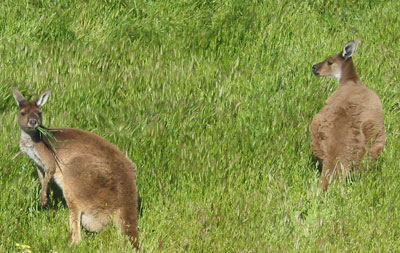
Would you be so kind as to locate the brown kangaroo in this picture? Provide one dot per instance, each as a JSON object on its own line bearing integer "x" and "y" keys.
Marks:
{"x": 98, "y": 181}
{"x": 351, "y": 122}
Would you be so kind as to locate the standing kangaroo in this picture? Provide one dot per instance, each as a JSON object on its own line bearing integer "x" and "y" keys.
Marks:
{"x": 96, "y": 178}
{"x": 351, "y": 122}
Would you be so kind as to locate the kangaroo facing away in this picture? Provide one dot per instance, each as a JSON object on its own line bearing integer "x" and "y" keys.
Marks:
{"x": 98, "y": 181}
{"x": 351, "y": 122}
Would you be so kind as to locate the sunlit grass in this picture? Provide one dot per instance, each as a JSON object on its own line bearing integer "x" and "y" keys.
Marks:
{"x": 212, "y": 100}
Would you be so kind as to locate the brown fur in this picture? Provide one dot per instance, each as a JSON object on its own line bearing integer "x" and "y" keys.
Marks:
{"x": 350, "y": 124}
{"x": 97, "y": 179}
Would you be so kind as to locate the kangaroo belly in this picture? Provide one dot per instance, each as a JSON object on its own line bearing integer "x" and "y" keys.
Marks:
{"x": 58, "y": 179}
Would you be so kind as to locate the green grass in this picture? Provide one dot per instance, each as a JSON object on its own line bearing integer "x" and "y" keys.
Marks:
{"x": 212, "y": 100}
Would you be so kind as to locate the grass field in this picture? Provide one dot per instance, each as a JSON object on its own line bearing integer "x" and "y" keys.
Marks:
{"x": 212, "y": 100}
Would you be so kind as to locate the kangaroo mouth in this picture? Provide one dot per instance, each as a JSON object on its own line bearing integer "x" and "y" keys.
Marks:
{"x": 34, "y": 127}
{"x": 31, "y": 127}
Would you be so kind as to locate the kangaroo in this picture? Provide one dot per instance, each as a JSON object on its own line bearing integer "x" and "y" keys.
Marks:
{"x": 351, "y": 122}
{"x": 98, "y": 181}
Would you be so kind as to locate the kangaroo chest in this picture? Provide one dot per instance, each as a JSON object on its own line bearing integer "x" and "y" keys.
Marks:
{"x": 30, "y": 148}
{"x": 27, "y": 147}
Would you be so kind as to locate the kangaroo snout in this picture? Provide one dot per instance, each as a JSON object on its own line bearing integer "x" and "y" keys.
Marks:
{"x": 315, "y": 69}
{"x": 33, "y": 123}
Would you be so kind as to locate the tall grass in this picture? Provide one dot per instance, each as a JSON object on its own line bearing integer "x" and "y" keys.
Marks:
{"x": 212, "y": 100}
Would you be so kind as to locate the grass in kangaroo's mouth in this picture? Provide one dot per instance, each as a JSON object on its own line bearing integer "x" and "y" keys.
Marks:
{"x": 49, "y": 135}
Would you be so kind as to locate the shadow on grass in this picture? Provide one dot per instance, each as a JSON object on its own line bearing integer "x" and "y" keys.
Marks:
{"x": 315, "y": 162}
{"x": 55, "y": 196}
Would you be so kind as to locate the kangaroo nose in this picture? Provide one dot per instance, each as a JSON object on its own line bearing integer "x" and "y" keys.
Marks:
{"x": 33, "y": 123}
{"x": 314, "y": 68}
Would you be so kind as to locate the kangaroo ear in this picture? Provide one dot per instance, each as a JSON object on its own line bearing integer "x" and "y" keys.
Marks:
{"x": 350, "y": 48}
{"x": 18, "y": 96}
{"x": 42, "y": 98}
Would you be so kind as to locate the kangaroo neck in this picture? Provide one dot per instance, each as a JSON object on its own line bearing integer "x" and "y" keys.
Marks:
{"x": 33, "y": 136}
{"x": 348, "y": 73}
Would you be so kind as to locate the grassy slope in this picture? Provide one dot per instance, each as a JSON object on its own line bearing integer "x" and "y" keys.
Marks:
{"x": 212, "y": 100}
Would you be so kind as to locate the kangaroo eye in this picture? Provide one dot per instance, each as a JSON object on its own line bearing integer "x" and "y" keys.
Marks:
{"x": 23, "y": 113}
{"x": 330, "y": 63}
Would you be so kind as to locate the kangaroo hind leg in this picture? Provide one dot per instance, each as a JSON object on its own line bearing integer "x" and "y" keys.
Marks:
{"x": 127, "y": 220}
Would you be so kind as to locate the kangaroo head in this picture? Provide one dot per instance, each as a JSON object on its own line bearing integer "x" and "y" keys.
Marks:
{"x": 338, "y": 64}
{"x": 30, "y": 115}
